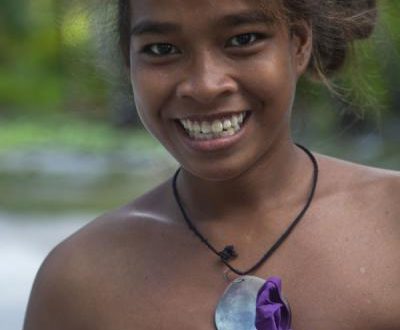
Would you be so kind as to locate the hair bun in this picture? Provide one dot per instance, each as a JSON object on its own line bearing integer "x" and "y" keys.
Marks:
{"x": 360, "y": 17}
{"x": 336, "y": 25}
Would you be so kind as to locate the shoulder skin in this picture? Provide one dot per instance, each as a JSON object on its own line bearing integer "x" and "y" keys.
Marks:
{"x": 79, "y": 276}
{"x": 370, "y": 199}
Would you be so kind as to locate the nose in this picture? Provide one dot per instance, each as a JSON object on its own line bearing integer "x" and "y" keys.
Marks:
{"x": 206, "y": 79}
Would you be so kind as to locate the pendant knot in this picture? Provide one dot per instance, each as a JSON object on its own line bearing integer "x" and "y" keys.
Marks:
{"x": 228, "y": 253}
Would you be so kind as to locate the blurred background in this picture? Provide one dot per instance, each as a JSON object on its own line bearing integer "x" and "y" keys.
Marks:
{"x": 72, "y": 147}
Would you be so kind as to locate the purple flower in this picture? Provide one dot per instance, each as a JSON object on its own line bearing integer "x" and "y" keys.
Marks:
{"x": 272, "y": 311}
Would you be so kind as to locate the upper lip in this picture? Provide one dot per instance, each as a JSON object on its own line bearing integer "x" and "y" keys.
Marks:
{"x": 211, "y": 116}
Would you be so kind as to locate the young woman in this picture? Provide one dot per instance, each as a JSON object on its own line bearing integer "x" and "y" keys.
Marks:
{"x": 214, "y": 81}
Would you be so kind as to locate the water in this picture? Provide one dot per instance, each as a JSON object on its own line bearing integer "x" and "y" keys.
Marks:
{"x": 47, "y": 195}
{"x": 25, "y": 241}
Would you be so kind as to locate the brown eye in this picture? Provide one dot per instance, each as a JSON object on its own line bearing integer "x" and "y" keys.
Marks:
{"x": 244, "y": 39}
{"x": 160, "y": 49}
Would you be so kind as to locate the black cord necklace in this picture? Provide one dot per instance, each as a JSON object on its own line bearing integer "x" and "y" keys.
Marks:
{"x": 229, "y": 252}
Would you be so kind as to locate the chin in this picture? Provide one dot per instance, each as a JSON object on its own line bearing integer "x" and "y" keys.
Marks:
{"x": 216, "y": 172}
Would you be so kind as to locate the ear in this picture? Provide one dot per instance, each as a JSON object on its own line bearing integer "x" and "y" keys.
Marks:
{"x": 302, "y": 43}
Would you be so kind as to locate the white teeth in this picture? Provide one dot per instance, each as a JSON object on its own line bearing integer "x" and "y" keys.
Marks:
{"x": 196, "y": 127}
{"x": 210, "y": 130}
{"x": 235, "y": 120}
{"x": 231, "y": 131}
{"x": 227, "y": 124}
{"x": 217, "y": 126}
{"x": 205, "y": 127}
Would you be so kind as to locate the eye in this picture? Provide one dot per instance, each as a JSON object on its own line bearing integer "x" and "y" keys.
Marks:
{"x": 245, "y": 39}
{"x": 160, "y": 49}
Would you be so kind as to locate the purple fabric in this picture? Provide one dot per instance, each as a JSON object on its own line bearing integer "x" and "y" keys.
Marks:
{"x": 272, "y": 312}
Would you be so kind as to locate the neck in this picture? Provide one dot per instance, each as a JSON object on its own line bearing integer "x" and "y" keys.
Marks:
{"x": 280, "y": 179}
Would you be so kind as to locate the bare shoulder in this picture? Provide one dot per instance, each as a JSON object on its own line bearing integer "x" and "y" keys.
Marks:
{"x": 78, "y": 278}
{"x": 366, "y": 222}
{"x": 368, "y": 197}
{"x": 375, "y": 186}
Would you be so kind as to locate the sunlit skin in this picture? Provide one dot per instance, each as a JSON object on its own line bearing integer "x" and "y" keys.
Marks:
{"x": 139, "y": 267}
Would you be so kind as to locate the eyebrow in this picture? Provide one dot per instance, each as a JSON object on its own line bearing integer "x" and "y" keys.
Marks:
{"x": 247, "y": 17}
{"x": 153, "y": 27}
{"x": 232, "y": 20}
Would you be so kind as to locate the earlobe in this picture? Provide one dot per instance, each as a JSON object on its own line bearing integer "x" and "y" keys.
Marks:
{"x": 303, "y": 42}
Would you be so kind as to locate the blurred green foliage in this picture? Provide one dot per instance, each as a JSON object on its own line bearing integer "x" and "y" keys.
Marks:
{"x": 45, "y": 47}
{"x": 70, "y": 133}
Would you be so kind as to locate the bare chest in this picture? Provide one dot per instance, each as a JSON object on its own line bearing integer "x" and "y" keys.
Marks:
{"x": 330, "y": 285}
{"x": 189, "y": 302}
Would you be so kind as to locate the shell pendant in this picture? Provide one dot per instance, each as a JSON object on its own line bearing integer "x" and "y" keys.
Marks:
{"x": 237, "y": 307}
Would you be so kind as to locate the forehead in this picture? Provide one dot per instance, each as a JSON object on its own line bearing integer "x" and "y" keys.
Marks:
{"x": 196, "y": 10}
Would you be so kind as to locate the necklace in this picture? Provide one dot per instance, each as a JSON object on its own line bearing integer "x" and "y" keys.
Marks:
{"x": 229, "y": 251}
{"x": 236, "y": 308}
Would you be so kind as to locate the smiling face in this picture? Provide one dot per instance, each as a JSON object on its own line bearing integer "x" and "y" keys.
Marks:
{"x": 214, "y": 80}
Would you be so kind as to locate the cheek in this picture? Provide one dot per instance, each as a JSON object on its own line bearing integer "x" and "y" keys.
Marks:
{"x": 148, "y": 89}
{"x": 272, "y": 82}
{"x": 152, "y": 92}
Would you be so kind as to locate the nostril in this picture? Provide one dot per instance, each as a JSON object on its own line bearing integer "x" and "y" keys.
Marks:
{"x": 206, "y": 90}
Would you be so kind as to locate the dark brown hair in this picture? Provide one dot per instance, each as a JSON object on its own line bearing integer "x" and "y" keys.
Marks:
{"x": 336, "y": 24}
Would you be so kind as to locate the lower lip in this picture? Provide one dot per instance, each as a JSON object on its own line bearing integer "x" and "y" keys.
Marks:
{"x": 216, "y": 144}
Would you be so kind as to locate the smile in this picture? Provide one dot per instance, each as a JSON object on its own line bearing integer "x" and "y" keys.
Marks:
{"x": 214, "y": 129}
